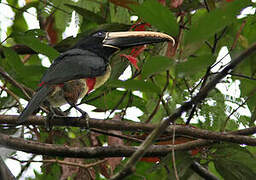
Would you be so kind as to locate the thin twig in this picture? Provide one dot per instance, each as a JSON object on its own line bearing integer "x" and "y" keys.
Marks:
{"x": 86, "y": 166}
{"x": 235, "y": 110}
{"x": 173, "y": 155}
{"x": 242, "y": 76}
{"x": 238, "y": 34}
{"x": 118, "y": 104}
{"x": 202, "y": 171}
{"x": 14, "y": 96}
{"x": 24, "y": 168}
{"x": 154, "y": 111}
{"x": 121, "y": 136}
{"x": 15, "y": 83}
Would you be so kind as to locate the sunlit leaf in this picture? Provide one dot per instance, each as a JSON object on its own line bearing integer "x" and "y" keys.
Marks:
{"x": 88, "y": 15}
{"x": 136, "y": 85}
{"x": 214, "y": 21}
{"x": 157, "y": 15}
{"x": 156, "y": 64}
{"x": 194, "y": 64}
{"x": 114, "y": 99}
{"x": 35, "y": 44}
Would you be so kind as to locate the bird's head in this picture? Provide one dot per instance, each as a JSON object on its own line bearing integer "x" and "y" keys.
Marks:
{"x": 105, "y": 44}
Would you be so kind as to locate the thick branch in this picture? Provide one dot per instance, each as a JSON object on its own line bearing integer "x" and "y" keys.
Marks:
{"x": 90, "y": 152}
{"x": 239, "y": 136}
{"x": 5, "y": 172}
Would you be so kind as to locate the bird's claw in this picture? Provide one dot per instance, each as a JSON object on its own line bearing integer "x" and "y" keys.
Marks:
{"x": 86, "y": 117}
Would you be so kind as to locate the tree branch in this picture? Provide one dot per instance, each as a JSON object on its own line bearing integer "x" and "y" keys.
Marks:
{"x": 240, "y": 136}
{"x": 203, "y": 172}
{"x": 90, "y": 152}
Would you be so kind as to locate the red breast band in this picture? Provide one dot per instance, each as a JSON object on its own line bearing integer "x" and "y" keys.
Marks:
{"x": 90, "y": 82}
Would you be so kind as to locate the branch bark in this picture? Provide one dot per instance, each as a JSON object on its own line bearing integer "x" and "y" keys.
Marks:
{"x": 90, "y": 152}
{"x": 240, "y": 136}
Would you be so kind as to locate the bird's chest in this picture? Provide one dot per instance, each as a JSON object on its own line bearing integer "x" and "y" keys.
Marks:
{"x": 71, "y": 91}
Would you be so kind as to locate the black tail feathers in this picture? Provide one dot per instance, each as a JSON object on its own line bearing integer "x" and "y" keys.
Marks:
{"x": 34, "y": 103}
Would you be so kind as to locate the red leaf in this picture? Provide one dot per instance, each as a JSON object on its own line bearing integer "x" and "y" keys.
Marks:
{"x": 178, "y": 140}
{"x": 150, "y": 159}
{"x": 51, "y": 30}
{"x": 140, "y": 26}
{"x": 41, "y": 84}
{"x": 176, "y": 3}
{"x": 123, "y": 3}
{"x": 137, "y": 50}
{"x": 132, "y": 60}
{"x": 162, "y": 2}
{"x": 229, "y": 0}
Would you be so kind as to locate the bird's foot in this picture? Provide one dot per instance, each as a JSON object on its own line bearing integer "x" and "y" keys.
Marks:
{"x": 87, "y": 118}
{"x": 47, "y": 123}
{"x": 84, "y": 116}
{"x": 49, "y": 118}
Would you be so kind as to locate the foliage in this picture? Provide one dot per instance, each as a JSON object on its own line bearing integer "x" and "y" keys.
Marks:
{"x": 166, "y": 77}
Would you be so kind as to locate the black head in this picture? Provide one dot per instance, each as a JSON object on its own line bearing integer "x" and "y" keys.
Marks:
{"x": 105, "y": 44}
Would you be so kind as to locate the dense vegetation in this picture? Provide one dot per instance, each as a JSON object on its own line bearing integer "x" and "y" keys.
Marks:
{"x": 200, "y": 130}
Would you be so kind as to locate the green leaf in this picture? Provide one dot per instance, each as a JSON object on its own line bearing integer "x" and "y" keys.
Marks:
{"x": 88, "y": 15}
{"x": 213, "y": 170}
{"x": 156, "y": 64}
{"x": 234, "y": 162}
{"x": 32, "y": 75}
{"x": 111, "y": 99}
{"x": 35, "y": 32}
{"x": 12, "y": 62}
{"x": 249, "y": 32}
{"x": 119, "y": 14}
{"x": 157, "y": 15}
{"x": 62, "y": 15}
{"x": 229, "y": 169}
{"x": 35, "y": 44}
{"x": 29, "y": 74}
{"x": 214, "y": 21}
{"x": 194, "y": 64}
{"x": 136, "y": 85}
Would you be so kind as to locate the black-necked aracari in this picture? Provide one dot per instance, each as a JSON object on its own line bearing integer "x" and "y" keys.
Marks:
{"x": 85, "y": 67}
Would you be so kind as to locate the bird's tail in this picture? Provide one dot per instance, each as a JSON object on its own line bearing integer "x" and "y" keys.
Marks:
{"x": 34, "y": 103}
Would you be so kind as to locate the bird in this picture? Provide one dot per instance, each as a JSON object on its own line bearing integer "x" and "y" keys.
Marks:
{"x": 85, "y": 67}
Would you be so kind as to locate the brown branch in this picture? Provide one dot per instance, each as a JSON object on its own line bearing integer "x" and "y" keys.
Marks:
{"x": 202, "y": 171}
{"x": 121, "y": 136}
{"x": 239, "y": 136}
{"x": 238, "y": 35}
{"x": 5, "y": 172}
{"x": 173, "y": 156}
{"x": 90, "y": 152}
{"x": 129, "y": 166}
{"x": 14, "y": 96}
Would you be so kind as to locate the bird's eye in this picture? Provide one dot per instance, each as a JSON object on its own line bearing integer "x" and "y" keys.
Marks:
{"x": 99, "y": 34}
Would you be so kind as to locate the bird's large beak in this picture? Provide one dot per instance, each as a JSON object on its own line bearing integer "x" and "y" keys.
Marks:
{"x": 122, "y": 40}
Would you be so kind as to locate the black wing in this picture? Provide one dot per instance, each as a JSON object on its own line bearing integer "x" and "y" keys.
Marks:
{"x": 74, "y": 64}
